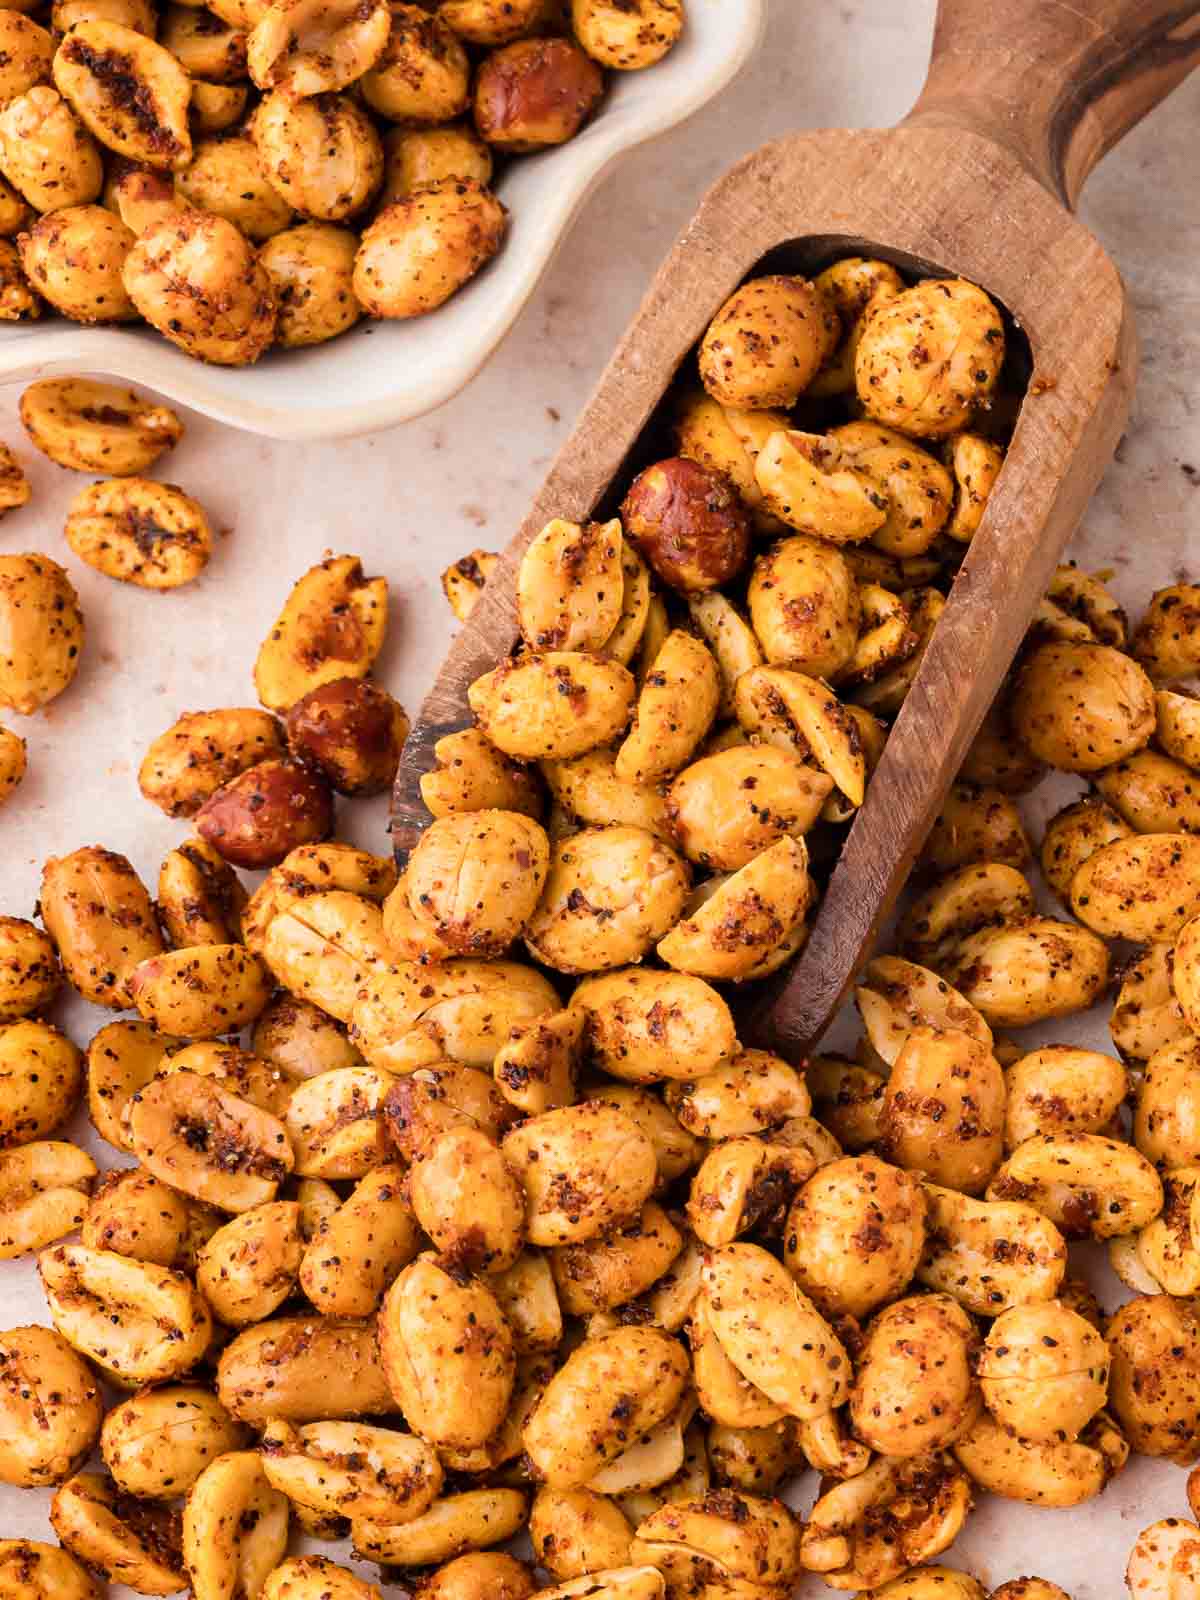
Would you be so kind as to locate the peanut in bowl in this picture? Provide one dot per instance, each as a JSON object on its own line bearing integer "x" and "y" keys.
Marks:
{"x": 381, "y": 373}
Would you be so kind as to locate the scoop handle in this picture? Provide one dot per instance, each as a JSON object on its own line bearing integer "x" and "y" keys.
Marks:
{"x": 1058, "y": 82}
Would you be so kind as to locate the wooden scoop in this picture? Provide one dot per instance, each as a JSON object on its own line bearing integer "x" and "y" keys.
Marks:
{"x": 1022, "y": 99}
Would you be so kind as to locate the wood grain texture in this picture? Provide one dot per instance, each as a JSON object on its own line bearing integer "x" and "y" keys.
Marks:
{"x": 1056, "y": 83}
{"x": 937, "y": 194}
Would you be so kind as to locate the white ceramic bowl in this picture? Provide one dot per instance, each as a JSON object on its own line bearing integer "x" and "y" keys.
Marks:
{"x": 383, "y": 373}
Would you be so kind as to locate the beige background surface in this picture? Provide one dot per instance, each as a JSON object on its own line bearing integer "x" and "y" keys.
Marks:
{"x": 411, "y": 500}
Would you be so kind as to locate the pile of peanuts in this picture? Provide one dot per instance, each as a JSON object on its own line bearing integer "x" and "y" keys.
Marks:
{"x": 266, "y": 172}
{"x": 711, "y": 715}
{"x": 447, "y": 1209}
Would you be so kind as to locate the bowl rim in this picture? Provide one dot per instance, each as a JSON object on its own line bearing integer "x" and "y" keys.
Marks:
{"x": 63, "y": 348}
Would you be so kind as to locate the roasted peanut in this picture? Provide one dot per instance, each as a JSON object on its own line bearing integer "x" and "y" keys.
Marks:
{"x": 260, "y": 816}
{"x": 430, "y": 1101}
{"x": 137, "y": 1322}
{"x": 416, "y": 156}
{"x": 609, "y": 895}
{"x": 726, "y": 1394}
{"x": 848, "y": 1100}
{"x": 569, "y": 586}
{"x": 104, "y": 69}
{"x": 472, "y": 1520}
{"x": 772, "y": 1332}
{"x": 622, "y": 39}
{"x": 44, "y": 1190}
{"x": 140, "y": 532}
{"x": 754, "y": 1460}
{"x": 960, "y": 903}
{"x": 250, "y": 1265}
{"x": 585, "y": 1169}
{"x": 474, "y": 879}
{"x": 202, "y": 991}
{"x": 854, "y": 1234}
{"x": 576, "y": 1532}
{"x": 887, "y": 1519}
{"x": 303, "y": 1369}
{"x": 200, "y": 898}
{"x": 676, "y": 1150}
{"x": 236, "y": 1071}
{"x": 552, "y": 706}
{"x": 1167, "y": 639}
{"x": 41, "y": 1072}
{"x": 49, "y": 156}
{"x": 1152, "y": 793}
{"x": 448, "y": 1354}
{"x": 1185, "y": 976}
{"x": 749, "y": 915}
{"x": 463, "y": 581}
{"x": 537, "y": 1069}
{"x": 534, "y": 93}
{"x": 472, "y": 775}
{"x": 1061, "y": 1090}
{"x": 235, "y": 1528}
{"x": 74, "y": 257}
{"x": 896, "y": 996}
{"x": 753, "y": 1092}
{"x": 688, "y": 523}
{"x": 741, "y": 1184}
{"x": 203, "y": 751}
{"x": 158, "y": 1442}
{"x": 349, "y": 1469}
{"x": 41, "y": 631}
{"x": 767, "y": 342}
{"x": 915, "y": 1389}
{"x": 195, "y": 278}
{"x": 1044, "y": 1371}
{"x": 723, "y": 1539}
{"x": 1088, "y": 1185}
{"x": 1168, "y": 1105}
{"x": 1030, "y": 971}
{"x": 331, "y": 626}
{"x": 97, "y": 911}
{"x": 1163, "y": 1560}
{"x": 943, "y": 1110}
{"x": 990, "y": 1254}
{"x": 121, "y": 1059}
{"x": 31, "y": 1570}
{"x": 325, "y": 948}
{"x": 1082, "y": 706}
{"x": 613, "y": 1388}
{"x": 1060, "y": 1473}
{"x": 123, "y": 1539}
{"x": 795, "y": 711}
{"x": 307, "y": 1577}
{"x": 311, "y": 271}
{"x": 352, "y": 731}
{"x": 135, "y": 1215}
{"x": 356, "y": 1252}
{"x": 13, "y": 762}
{"x": 208, "y": 1143}
{"x": 1143, "y": 887}
{"x": 976, "y": 824}
{"x": 468, "y": 1201}
{"x": 333, "y": 1122}
{"x": 50, "y": 1405}
{"x": 645, "y": 1026}
{"x": 725, "y": 808}
{"x": 1072, "y": 836}
{"x": 424, "y": 247}
{"x": 462, "y": 1010}
{"x": 929, "y": 356}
